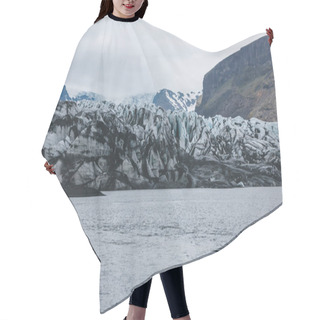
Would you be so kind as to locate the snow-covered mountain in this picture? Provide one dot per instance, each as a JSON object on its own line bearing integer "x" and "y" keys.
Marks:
{"x": 82, "y": 95}
{"x": 164, "y": 98}
{"x": 170, "y": 100}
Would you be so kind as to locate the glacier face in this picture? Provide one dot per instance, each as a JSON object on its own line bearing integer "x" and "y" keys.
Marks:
{"x": 100, "y": 145}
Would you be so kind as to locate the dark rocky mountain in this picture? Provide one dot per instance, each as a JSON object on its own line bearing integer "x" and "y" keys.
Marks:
{"x": 65, "y": 95}
{"x": 241, "y": 85}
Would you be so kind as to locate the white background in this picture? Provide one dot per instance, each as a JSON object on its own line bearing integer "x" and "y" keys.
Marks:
{"x": 48, "y": 269}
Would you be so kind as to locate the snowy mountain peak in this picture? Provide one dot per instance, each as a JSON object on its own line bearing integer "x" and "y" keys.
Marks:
{"x": 170, "y": 100}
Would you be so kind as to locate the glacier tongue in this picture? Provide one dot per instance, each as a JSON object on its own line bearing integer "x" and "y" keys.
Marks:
{"x": 98, "y": 145}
